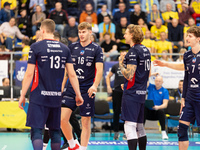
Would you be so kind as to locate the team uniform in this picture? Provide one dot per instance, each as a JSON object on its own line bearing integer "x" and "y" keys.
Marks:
{"x": 135, "y": 90}
{"x": 50, "y": 58}
{"x": 191, "y": 88}
{"x": 84, "y": 59}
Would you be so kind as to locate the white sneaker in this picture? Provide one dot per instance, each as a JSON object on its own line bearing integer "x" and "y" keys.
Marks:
{"x": 164, "y": 135}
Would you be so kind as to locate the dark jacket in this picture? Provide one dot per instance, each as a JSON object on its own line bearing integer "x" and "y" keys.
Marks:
{"x": 4, "y": 16}
{"x": 134, "y": 18}
{"x": 58, "y": 17}
{"x": 175, "y": 33}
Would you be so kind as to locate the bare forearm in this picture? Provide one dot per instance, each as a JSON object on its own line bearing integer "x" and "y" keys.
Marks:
{"x": 26, "y": 83}
{"x": 98, "y": 77}
{"x": 108, "y": 81}
{"x": 75, "y": 84}
{"x": 179, "y": 67}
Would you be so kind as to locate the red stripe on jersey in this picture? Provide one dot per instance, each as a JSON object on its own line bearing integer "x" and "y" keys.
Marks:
{"x": 95, "y": 74}
{"x": 131, "y": 83}
{"x": 36, "y": 78}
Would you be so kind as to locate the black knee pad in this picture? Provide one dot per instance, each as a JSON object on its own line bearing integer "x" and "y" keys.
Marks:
{"x": 36, "y": 133}
{"x": 182, "y": 132}
{"x": 55, "y": 136}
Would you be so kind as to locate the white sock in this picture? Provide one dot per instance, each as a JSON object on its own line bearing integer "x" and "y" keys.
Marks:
{"x": 83, "y": 148}
{"x": 77, "y": 142}
{"x": 164, "y": 133}
{"x": 71, "y": 143}
{"x": 44, "y": 146}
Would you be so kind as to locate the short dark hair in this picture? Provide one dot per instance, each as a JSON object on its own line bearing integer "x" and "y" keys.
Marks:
{"x": 57, "y": 35}
{"x": 195, "y": 30}
{"x": 25, "y": 41}
{"x": 4, "y": 79}
{"x": 49, "y": 25}
{"x": 64, "y": 41}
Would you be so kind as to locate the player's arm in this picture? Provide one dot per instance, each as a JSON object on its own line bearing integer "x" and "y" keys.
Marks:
{"x": 74, "y": 82}
{"x": 98, "y": 76}
{"x": 129, "y": 72}
{"x": 163, "y": 106}
{"x": 26, "y": 83}
{"x": 64, "y": 80}
{"x": 185, "y": 86}
{"x": 109, "y": 89}
{"x": 174, "y": 66}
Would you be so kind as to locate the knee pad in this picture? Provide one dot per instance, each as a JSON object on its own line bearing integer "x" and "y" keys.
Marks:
{"x": 140, "y": 130}
{"x": 36, "y": 133}
{"x": 55, "y": 136}
{"x": 130, "y": 130}
{"x": 182, "y": 132}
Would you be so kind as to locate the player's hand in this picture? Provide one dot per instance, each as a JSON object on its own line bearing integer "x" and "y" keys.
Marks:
{"x": 109, "y": 89}
{"x": 121, "y": 58}
{"x": 122, "y": 86}
{"x": 21, "y": 101}
{"x": 155, "y": 107}
{"x": 92, "y": 91}
{"x": 159, "y": 63}
{"x": 79, "y": 100}
{"x": 182, "y": 104}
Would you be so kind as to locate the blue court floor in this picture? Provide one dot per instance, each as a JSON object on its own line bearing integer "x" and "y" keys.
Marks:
{"x": 101, "y": 141}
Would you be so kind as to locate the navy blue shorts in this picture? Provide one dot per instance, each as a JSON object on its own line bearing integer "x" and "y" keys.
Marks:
{"x": 132, "y": 111}
{"x": 38, "y": 116}
{"x": 191, "y": 112}
{"x": 87, "y": 109}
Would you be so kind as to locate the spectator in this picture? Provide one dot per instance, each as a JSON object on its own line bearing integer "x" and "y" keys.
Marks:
{"x": 163, "y": 44}
{"x": 195, "y": 4}
{"x": 165, "y": 56}
{"x": 157, "y": 29}
{"x": 95, "y": 28}
{"x": 34, "y": 3}
{"x": 93, "y": 38}
{"x": 24, "y": 23}
{"x": 143, "y": 25}
{"x": 71, "y": 6}
{"x": 5, "y": 82}
{"x": 163, "y": 5}
{"x": 6, "y": 13}
{"x": 191, "y": 23}
{"x": 9, "y": 30}
{"x": 120, "y": 31}
{"x": 109, "y": 47}
{"x": 106, "y": 26}
{"x": 121, "y": 13}
{"x": 150, "y": 44}
{"x": 178, "y": 92}
{"x": 83, "y": 3}
{"x": 71, "y": 31}
{"x": 13, "y": 4}
{"x": 169, "y": 14}
{"x": 37, "y": 18}
{"x": 115, "y": 3}
{"x": 175, "y": 33}
{"x": 185, "y": 14}
{"x": 160, "y": 96}
{"x": 57, "y": 36}
{"x": 59, "y": 16}
{"x": 147, "y": 5}
{"x": 24, "y": 4}
{"x": 180, "y": 58}
{"x": 104, "y": 12}
{"x": 26, "y": 48}
{"x": 137, "y": 14}
{"x": 35, "y": 37}
{"x": 88, "y": 12}
{"x": 4, "y": 56}
{"x": 153, "y": 15}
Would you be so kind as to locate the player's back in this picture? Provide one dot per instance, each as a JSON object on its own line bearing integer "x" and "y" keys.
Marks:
{"x": 49, "y": 57}
{"x": 140, "y": 56}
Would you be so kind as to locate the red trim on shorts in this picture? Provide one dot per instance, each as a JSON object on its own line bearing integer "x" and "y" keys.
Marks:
{"x": 36, "y": 78}
{"x": 131, "y": 83}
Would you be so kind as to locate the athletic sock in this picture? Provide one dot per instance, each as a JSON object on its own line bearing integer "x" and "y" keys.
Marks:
{"x": 55, "y": 146}
{"x": 44, "y": 146}
{"x": 37, "y": 144}
{"x": 132, "y": 144}
{"x": 142, "y": 142}
{"x": 71, "y": 143}
{"x": 83, "y": 148}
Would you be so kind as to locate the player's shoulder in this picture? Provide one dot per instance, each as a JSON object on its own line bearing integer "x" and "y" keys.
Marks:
{"x": 187, "y": 54}
{"x": 74, "y": 45}
{"x": 95, "y": 45}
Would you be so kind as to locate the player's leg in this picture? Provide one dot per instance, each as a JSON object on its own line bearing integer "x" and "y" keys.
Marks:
{"x": 55, "y": 139}
{"x": 183, "y": 135}
{"x": 86, "y": 131}
{"x": 36, "y": 138}
{"x": 46, "y": 138}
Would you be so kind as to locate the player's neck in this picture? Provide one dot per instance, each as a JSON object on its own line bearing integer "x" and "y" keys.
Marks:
{"x": 85, "y": 43}
{"x": 132, "y": 44}
{"x": 48, "y": 36}
{"x": 196, "y": 48}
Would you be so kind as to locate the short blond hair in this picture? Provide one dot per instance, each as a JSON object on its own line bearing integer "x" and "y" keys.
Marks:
{"x": 49, "y": 25}
{"x": 84, "y": 25}
{"x": 137, "y": 33}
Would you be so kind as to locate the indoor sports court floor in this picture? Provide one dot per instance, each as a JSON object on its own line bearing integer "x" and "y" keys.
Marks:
{"x": 101, "y": 141}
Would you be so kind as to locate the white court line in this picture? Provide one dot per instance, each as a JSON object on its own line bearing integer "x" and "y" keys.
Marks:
{"x": 4, "y": 147}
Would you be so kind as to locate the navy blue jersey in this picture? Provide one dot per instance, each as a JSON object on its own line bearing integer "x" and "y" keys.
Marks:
{"x": 135, "y": 90}
{"x": 192, "y": 74}
{"x": 84, "y": 59}
{"x": 50, "y": 58}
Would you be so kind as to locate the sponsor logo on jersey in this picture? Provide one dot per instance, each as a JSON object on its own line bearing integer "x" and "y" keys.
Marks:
{"x": 88, "y": 106}
{"x": 87, "y": 113}
{"x": 139, "y": 92}
{"x": 50, "y": 93}
{"x": 76, "y": 48}
{"x": 89, "y": 64}
{"x": 80, "y": 71}
{"x": 82, "y": 52}
{"x": 194, "y": 83}
{"x": 53, "y": 45}
{"x": 194, "y": 60}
